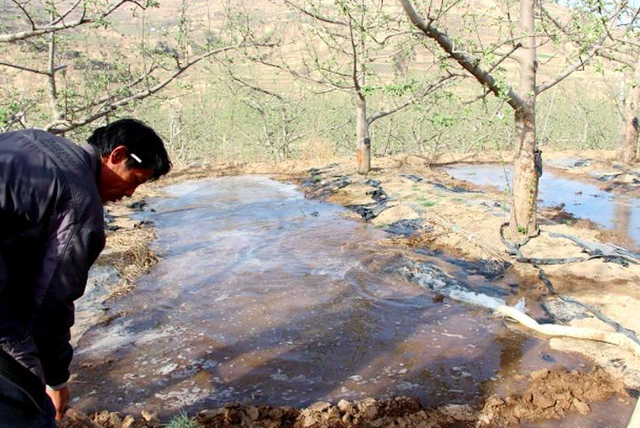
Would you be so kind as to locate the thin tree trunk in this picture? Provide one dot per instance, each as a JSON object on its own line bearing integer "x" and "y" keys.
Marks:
{"x": 53, "y": 91}
{"x": 528, "y": 164}
{"x": 628, "y": 141}
{"x": 362, "y": 136}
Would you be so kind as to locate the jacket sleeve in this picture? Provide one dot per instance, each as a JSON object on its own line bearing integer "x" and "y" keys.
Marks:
{"x": 70, "y": 253}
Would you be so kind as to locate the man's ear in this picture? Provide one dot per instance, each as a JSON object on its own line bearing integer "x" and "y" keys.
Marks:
{"x": 118, "y": 154}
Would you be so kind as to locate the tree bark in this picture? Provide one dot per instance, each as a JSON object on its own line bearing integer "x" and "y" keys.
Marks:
{"x": 56, "y": 115}
{"x": 528, "y": 163}
{"x": 362, "y": 135}
{"x": 628, "y": 141}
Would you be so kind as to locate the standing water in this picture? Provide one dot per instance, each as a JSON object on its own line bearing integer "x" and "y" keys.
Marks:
{"x": 581, "y": 199}
{"x": 264, "y": 296}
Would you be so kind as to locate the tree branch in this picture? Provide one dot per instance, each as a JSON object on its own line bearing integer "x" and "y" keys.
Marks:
{"x": 67, "y": 12}
{"x": 433, "y": 87}
{"x": 468, "y": 62}
{"x": 61, "y": 126}
{"x": 610, "y": 56}
{"x": 26, "y": 13}
{"x": 315, "y": 15}
{"x": 581, "y": 62}
{"x": 31, "y": 70}
{"x": 59, "y": 24}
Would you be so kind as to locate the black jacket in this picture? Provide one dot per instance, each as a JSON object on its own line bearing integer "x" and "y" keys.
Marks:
{"x": 51, "y": 232}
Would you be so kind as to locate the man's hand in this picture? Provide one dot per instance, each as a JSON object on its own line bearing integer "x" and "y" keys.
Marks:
{"x": 60, "y": 399}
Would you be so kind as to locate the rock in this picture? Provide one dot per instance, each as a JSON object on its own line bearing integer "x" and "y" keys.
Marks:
{"x": 210, "y": 414}
{"x": 582, "y": 407}
{"x": 308, "y": 421}
{"x": 232, "y": 415}
{"x": 543, "y": 401}
{"x": 320, "y": 406}
{"x": 114, "y": 420}
{"x": 276, "y": 413}
{"x": 484, "y": 420}
{"x": 370, "y": 411}
{"x": 253, "y": 413}
{"x": 494, "y": 401}
{"x": 345, "y": 406}
{"x": 150, "y": 416}
{"x": 333, "y": 414}
{"x": 520, "y": 377}
{"x": 459, "y": 412}
{"x": 128, "y": 422}
{"x": 539, "y": 374}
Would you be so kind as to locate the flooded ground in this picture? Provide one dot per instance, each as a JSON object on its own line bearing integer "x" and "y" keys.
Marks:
{"x": 579, "y": 198}
{"x": 264, "y": 296}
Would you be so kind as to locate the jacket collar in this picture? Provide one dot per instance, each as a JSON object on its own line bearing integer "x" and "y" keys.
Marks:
{"x": 94, "y": 157}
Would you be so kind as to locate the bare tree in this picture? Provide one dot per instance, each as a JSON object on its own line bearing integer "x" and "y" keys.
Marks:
{"x": 357, "y": 47}
{"x": 520, "y": 47}
{"x": 623, "y": 48}
{"x": 63, "y": 51}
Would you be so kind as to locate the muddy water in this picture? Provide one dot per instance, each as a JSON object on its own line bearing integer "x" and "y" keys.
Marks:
{"x": 264, "y": 296}
{"x": 580, "y": 198}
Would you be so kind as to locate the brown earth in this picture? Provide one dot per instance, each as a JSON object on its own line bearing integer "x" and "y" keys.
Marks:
{"x": 463, "y": 225}
{"x": 550, "y": 394}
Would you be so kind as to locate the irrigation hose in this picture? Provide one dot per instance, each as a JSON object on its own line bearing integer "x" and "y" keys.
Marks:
{"x": 613, "y": 338}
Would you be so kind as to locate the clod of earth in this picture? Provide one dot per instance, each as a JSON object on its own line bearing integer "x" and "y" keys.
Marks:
{"x": 551, "y": 394}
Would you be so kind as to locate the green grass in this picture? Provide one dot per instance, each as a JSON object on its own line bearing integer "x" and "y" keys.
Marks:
{"x": 182, "y": 421}
{"x": 426, "y": 203}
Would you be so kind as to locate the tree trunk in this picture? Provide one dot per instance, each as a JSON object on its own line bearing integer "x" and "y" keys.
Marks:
{"x": 627, "y": 143}
{"x": 362, "y": 136}
{"x": 528, "y": 163}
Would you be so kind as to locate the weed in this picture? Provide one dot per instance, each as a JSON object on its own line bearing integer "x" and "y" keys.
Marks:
{"x": 182, "y": 421}
{"x": 426, "y": 203}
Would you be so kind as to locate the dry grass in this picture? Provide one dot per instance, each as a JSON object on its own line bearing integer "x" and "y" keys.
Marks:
{"x": 130, "y": 253}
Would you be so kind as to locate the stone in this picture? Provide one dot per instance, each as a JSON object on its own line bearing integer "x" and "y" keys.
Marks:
{"x": 459, "y": 412}
{"x": 128, "y": 422}
{"x": 582, "y": 407}
{"x": 345, "y": 406}
{"x": 253, "y": 413}
{"x": 539, "y": 374}
{"x": 543, "y": 401}
{"x": 308, "y": 421}
{"x": 333, "y": 414}
{"x": 320, "y": 406}
{"x": 150, "y": 416}
{"x": 115, "y": 420}
{"x": 494, "y": 401}
{"x": 369, "y": 411}
{"x": 210, "y": 414}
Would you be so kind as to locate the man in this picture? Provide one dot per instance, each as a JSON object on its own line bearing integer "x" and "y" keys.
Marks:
{"x": 51, "y": 231}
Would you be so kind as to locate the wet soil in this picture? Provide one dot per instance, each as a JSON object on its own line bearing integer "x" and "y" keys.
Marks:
{"x": 549, "y": 394}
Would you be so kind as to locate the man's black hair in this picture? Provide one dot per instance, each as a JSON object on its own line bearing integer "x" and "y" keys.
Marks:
{"x": 145, "y": 148}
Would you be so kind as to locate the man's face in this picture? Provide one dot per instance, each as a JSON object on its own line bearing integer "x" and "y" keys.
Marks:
{"x": 117, "y": 180}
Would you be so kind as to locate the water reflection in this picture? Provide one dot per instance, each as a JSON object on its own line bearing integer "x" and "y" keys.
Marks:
{"x": 581, "y": 199}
